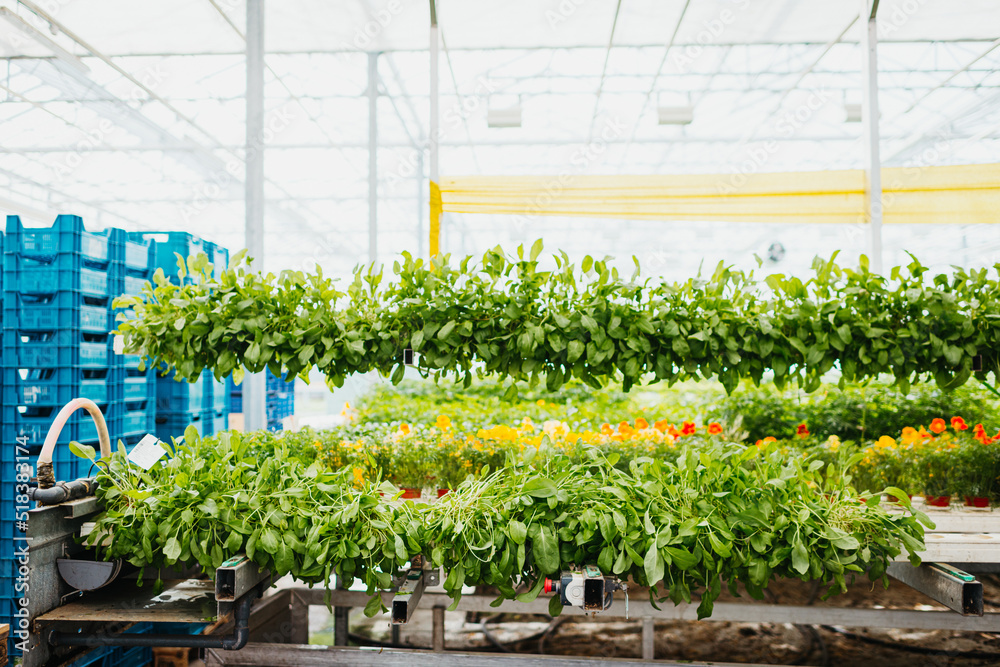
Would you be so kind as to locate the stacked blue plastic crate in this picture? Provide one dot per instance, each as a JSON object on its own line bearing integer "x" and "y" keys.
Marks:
{"x": 179, "y": 404}
{"x": 133, "y": 411}
{"x": 215, "y": 414}
{"x": 280, "y": 399}
{"x": 56, "y": 319}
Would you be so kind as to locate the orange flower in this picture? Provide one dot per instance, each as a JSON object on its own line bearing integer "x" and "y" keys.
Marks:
{"x": 765, "y": 441}
{"x": 688, "y": 428}
{"x": 443, "y": 422}
{"x": 606, "y": 429}
{"x": 938, "y": 425}
{"x": 404, "y": 428}
{"x": 625, "y": 430}
{"x": 958, "y": 424}
{"x": 641, "y": 424}
{"x": 714, "y": 428}
{"x": 672, "y": 431}
{"x": 802, "y": 431}
{"x": 661, "y": 426}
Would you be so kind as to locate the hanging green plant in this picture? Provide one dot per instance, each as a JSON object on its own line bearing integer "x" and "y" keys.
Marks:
{"x": 504, "y": 317}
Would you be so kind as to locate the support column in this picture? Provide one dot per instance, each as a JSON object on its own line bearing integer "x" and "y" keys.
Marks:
{"x": 420, "y": 204}
{"x": 648, "y": 639}
{"x": 437, "y": 629}
{"x": 255, "y": 385}
{"x": 435, "y": 140}
{"x": 373, "y": 157}
{"x": 870, "y": 131}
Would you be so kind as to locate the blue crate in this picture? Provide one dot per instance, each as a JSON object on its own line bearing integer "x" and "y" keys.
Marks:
{"x": 132, "y": 285}
{"x": 136, "y": 422}
{"x": 213, "y": 422}
{"x": 172, "y": 424}
{"x": 66, "y": 274}
{"x": 67, "y": 235}
{"x": 218, "y": 256}
{"x": 53, "y": 349}
{"x": 34, "y": 422}
{"x": 52, "y": 386}
{"x": 168, "y": 243}
{"x": 138, "y": 257}
{"x": 177, "y": 397}
{"x": 137, "y": 388}
{"x": 131, "y": 419}
{"x": 62, "y": 310}
{"x": 220, "y": 396}
{"x": 236, "y": 404}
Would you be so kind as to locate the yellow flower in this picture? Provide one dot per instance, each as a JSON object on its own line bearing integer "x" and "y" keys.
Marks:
{"x": 540, "y": 402}
{"x": 886, "y": 442}
{"x": 555, "y": 428}
{"x": 359, "y": 477}
{"x": 443, "y": 422}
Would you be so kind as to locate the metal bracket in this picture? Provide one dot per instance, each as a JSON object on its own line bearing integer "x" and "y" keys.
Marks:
{"x": 235, "y": 577}
{"x": 408, "y": 596}
{"x": 955, "y": 589}
{"x": 432, "y": 574}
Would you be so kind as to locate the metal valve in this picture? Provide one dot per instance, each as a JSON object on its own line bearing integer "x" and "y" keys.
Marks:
{"x": 587, "y": 588}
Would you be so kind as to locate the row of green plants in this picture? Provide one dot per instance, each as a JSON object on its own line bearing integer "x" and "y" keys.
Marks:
{"x": 401, "y": 428}
{"x": 718, "y": 513}
{"x": 505, "y": 316}
{"x": 959, "y": 463}
{"x": 853, "y": 412}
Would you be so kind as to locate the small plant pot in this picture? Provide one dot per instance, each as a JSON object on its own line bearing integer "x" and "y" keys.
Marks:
{"x": 937, "y": 501}
{"x": 410, "y": 494}
{"x": 443, "y": 492}
{"x": 977, "y": 501}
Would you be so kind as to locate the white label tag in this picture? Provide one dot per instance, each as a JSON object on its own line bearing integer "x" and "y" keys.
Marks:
{"x": 119, "y": 344}
{"x": 147, "y": 452}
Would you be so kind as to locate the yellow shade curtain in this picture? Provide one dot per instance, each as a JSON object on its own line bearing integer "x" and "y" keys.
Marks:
{"x": 952, "y": 194}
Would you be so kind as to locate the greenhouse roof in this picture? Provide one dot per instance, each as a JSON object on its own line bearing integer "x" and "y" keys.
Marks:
{"x": 132, "y": 114}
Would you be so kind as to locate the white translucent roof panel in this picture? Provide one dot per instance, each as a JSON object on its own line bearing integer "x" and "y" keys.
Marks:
{"x": 119, "y": 27}
{"x": 162, "y": 147}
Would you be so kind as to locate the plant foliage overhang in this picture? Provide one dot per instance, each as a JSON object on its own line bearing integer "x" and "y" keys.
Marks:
{"x": 506, "y": 317}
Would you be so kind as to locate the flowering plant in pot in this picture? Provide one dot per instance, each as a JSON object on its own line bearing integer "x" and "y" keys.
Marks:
{"x": 976, "y": 465}
{"x": 937, "y": 476}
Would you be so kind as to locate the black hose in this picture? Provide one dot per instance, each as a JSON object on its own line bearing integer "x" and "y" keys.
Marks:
{"x": 63, "y": 491}
{"x": 974, "y": 655}
{"x": 556, "y": 622}
{"x": 553, "y": 622}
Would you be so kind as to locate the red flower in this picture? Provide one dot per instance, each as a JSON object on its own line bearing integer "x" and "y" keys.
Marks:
{"x": 714, "y": 428}
{"x": 802, "y": 431}
{"x": 688, "y": 428}
{"x": 938, "y": 425}
{"x": 978, "y": 430}
{"x": 958, "y": 424}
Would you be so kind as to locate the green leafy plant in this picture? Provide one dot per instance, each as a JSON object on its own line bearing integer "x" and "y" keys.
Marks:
{"x": 504, "y": 316}
{"x": 720, "y": 512}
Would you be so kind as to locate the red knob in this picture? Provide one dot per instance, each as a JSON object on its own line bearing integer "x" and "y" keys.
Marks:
{"x": 548, "y": 585}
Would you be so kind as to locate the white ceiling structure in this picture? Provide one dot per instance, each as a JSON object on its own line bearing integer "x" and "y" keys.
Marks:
{"x": 131, "y": 114}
